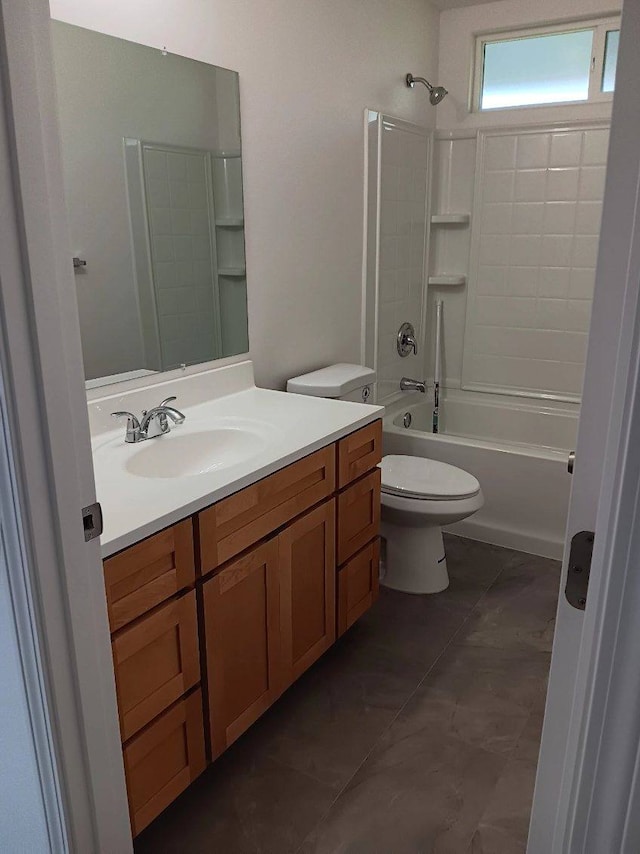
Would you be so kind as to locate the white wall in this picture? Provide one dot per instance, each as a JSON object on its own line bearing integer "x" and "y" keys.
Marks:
{"x": 458, "y": 29}
{"x": 307, "y": 71}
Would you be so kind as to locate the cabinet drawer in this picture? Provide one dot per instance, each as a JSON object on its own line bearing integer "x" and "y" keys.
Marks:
{"x": 236, "y": 523}
{"x": 358, "y": 586}
{"x": 163, "y": 760}
{"x": 143, "y": 576}
{"x": 156, "y": 661}
{"x": 359, "y": 453}
{"x": 358, "y": 515}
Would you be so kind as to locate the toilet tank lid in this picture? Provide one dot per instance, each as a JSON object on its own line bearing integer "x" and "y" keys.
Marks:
{"x": 332, "y": 381}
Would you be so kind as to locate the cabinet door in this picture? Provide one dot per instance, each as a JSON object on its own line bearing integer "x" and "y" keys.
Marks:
{"x": 307, "y": 553}
{"x": 242, "y": 632}
{"x": 163, "y": 759}
{"x": 358, "y": 515}
{"x": 156, "y": 661}
{"x": 358, "y": 586}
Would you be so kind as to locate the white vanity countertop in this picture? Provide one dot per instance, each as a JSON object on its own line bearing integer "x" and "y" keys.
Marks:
{"x": 291, "y": 426}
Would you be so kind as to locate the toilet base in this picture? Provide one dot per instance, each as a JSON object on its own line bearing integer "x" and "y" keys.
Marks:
{"x": 415, "y": 558}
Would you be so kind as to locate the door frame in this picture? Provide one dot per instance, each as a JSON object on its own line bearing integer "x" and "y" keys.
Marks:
{"x": 46, "y": 410}
{"x": 46, "y": 405}
{"x": 587, "y": 795}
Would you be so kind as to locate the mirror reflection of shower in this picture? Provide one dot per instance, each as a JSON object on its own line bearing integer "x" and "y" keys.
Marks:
{"x": 436, "y": 93}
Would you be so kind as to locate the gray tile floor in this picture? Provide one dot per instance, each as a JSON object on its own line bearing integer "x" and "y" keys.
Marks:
{"x": 417, "y": 733}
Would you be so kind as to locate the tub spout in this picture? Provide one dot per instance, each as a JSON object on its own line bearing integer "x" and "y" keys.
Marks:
{"x": 407, "y": 384}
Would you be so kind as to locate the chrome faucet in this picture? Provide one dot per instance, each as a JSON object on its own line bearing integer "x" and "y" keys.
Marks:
{"x": 407, "y": 384}
{"x": 153, "y": 423}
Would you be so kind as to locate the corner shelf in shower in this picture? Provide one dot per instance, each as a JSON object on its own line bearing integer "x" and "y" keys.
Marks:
{"x": 450, "y": 219}
{"x": 232, "y": 272}
{"x": 447, "y": 280}
{"x": 230, "y": 222}
{"x": 227, "y": 154}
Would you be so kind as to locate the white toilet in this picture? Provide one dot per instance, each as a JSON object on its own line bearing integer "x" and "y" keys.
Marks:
{"x": 419, "y": 496}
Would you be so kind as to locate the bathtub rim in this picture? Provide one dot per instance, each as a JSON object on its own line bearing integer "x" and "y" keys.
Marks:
{"x": 393, "y": 411}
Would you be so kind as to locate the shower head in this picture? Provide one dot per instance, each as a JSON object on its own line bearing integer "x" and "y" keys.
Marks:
{"x": 436, "y": 93}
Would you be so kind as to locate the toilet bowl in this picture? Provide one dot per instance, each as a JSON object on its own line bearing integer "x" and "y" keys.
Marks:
{"x": 419, "y": 496}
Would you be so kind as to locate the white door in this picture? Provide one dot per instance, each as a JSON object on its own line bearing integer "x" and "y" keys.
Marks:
{"x": 60, "y": 615}
{"x": 574, "y": 778}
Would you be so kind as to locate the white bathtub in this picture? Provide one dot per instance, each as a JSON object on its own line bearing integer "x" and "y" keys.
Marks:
{"x": 526, "y": 486}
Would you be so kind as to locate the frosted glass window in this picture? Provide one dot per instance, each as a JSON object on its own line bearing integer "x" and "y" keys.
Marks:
{"x": 610, "y": 61}
{"x": 546, "y": 69}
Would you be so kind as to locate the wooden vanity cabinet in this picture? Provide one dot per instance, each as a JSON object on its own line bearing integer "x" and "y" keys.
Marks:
{"x": 155, "y": 644}
{"x": 358, "y": 514}
{"x": 268, "y": 616}
{"x": 213, "y": 618}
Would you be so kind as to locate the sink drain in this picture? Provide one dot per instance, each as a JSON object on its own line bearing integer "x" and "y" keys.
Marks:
{"x": 407, "y": 419}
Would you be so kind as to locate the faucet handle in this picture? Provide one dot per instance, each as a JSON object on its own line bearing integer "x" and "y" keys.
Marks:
{"x": 175, "y": 414}
{"x": 133, "y": 425}
{"x": 406, "y": 340}
{"x": 129, "y": 415}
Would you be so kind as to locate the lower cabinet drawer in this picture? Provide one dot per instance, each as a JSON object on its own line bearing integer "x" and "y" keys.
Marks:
{"x": 156, "y": 661}
{"x": 163, "y": 760}
{"x": 358, "y": 586}
{"x": 358, "y": 515}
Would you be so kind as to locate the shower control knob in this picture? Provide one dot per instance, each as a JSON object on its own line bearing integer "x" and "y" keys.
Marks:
{"x": 406, "y": 342}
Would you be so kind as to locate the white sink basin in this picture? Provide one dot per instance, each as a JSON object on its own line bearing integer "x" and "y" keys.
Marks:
{"x": 195, "y": 453}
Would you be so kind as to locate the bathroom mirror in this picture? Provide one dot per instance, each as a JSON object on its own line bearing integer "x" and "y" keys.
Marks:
{"x": 153, "y": 182}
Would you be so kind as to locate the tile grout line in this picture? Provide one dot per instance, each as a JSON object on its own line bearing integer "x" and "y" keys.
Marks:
{"x": 400, "y": 710}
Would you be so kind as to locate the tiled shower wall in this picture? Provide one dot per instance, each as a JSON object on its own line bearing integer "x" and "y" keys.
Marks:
{"x": 537, "y": 221}
{"x": 404, "y": 165}
{"x": 521, "y": 323}
{"x": 180, "y": 234}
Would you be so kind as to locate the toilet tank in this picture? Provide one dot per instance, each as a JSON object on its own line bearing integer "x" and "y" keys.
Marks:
{"x": 340, "y": 382}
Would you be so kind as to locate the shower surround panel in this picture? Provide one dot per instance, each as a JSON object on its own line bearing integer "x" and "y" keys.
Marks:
{"x": 536, "y": 226}
{"x": 403, "y": 182}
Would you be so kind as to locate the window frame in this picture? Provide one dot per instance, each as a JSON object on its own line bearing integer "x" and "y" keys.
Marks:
{"x": 599, "y": 26}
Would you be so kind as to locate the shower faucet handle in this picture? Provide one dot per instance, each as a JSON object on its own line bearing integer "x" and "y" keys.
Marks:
{"x": 406, "y": 342}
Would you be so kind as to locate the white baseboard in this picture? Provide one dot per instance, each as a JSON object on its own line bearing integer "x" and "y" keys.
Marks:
{"x": 519, "y": 540}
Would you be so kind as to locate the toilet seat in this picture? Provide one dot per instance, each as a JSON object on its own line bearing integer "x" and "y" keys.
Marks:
{"x": 423, "y": 479}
